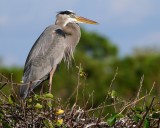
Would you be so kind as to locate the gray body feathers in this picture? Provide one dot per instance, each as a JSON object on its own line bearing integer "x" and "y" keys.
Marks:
{"x": 51, "y": 47}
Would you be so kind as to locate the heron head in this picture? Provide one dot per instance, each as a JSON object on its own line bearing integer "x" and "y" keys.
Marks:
{"x": 68, "y": 16}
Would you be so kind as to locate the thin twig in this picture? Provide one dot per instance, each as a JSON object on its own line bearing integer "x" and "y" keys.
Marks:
{"x": 10, "y": 83}
{"x": 78, "y": 84}
{"x": 129, "y": 104}
{"x": 4, "y": 77}
{"x": 3, "y": 95}
{"x": 13, "y": 90}
{"x": 101, "y": 124}
{"x": 139, "y": 90}
{"x": 76, "y": 89}
{"x": 146, "y": 112}
{"x": 101, "y": 107}
{"x": 108, "y": 94}
{"x": 3, "y": 85}
{"x": 158, "y": 123}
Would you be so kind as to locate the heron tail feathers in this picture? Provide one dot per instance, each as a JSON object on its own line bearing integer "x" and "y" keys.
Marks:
{"x": 26, "y": 88}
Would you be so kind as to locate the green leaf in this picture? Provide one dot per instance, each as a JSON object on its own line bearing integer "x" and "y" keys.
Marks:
{"x": 113, "y": 94}
{"x": 38, "y": 106}
{"x": 156, "y": 115}
{"x": 36, "y": 96}
{"x": 49, "y": 104}
{"x": 111, "y": 121}
{"x": 138, "y": 109}
{"x": 11, "y": 99}
{"x": 146, "y": 123}
{"x": 119, "y": 116}
{"x": 48, "y": 124}
{"x": 6, "y": 125}
{"x": 30, "y": 100}
{"x": 2, "y": 113}
{"x": 48, "y": 95}
{"x": 59, "y": 122}
{"x": 137, "y": 117}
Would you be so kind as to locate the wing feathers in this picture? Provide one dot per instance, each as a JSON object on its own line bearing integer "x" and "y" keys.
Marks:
{"x": 46, "y": 53}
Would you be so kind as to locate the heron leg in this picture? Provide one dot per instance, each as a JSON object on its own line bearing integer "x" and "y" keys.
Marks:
{"x": 50, "y": 78}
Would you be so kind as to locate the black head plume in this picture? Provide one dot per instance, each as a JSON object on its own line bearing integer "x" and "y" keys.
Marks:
{"x": 68, "y": 12}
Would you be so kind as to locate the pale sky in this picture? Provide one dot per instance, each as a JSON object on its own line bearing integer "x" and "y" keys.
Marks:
{"x": 127, "y": 23}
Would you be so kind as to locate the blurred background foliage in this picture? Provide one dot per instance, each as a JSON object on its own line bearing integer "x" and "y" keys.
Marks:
{"x": 99, "y": 59}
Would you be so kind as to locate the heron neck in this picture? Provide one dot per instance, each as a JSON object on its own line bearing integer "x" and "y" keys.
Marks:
{"x": 71, "y": 28}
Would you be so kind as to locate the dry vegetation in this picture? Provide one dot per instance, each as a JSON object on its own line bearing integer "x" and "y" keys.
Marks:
{"x": 46, "y": 111}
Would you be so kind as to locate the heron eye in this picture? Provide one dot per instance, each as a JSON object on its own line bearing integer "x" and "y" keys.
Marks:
{"x": 72, "y": 15}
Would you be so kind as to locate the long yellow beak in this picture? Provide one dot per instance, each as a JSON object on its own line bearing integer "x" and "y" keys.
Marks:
{"x": 85, "y": 20}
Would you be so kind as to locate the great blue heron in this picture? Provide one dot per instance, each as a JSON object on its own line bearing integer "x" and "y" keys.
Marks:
{"x": 55, "y": 43}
